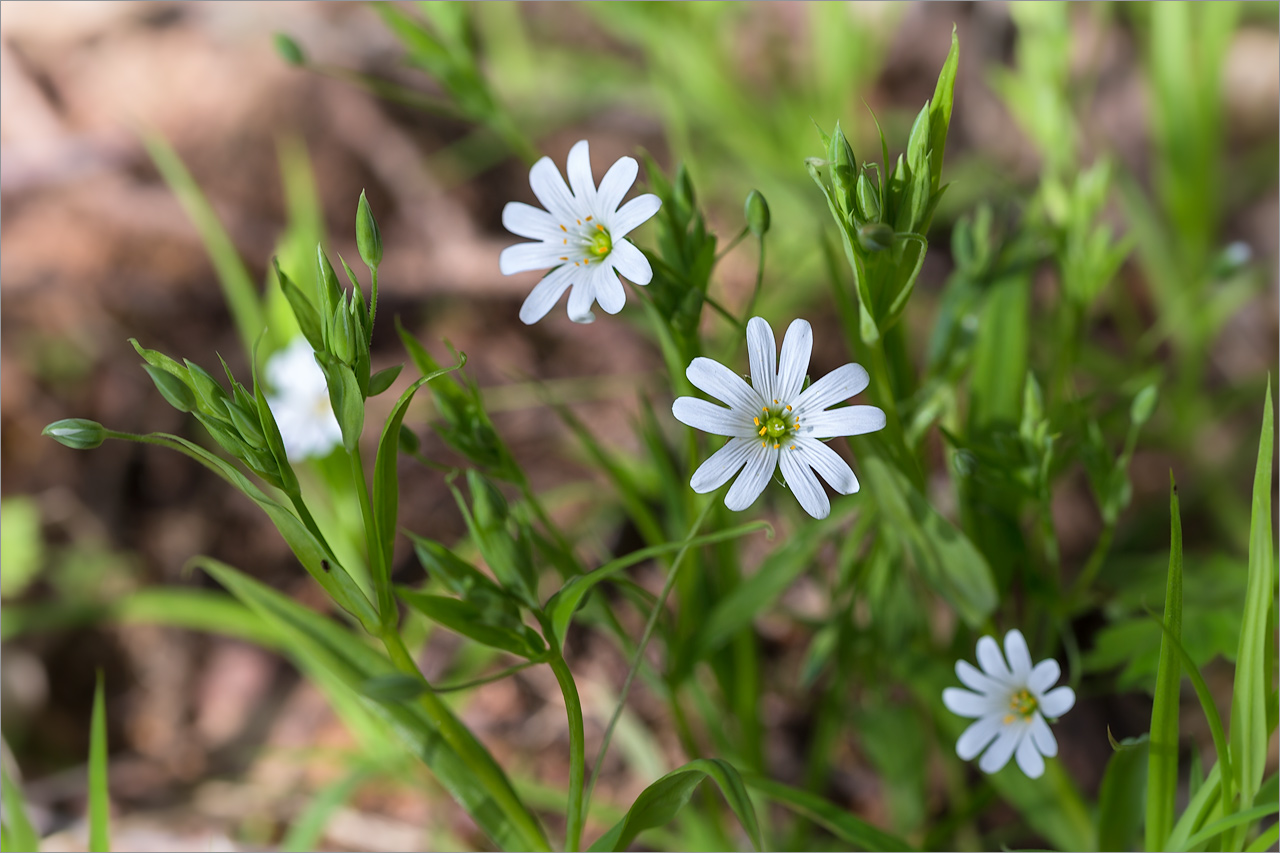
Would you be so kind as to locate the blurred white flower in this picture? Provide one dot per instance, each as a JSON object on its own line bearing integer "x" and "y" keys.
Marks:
{"x": 772, "y": 423}
{"x": 581, "y": 234}
{"x": 301, "y": 402}
{"x": 1010, "y": 702}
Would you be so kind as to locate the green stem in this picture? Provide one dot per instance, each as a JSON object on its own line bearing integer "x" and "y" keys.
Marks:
{"x": 755, "y": 293}
{"x": 639, "y": 654}
{"x": 378, "y": 569}
{"x": 882, "y": 392}
{"x": 732, "y": 245}
{"x": 723, "y": 312}
{"x": 575, "y": 814}
{"x": 486, "y": 679}
{"x": 373, "y": 300}
{"x": 310, "y": 523}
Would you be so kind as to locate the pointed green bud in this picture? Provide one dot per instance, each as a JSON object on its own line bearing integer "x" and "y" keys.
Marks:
{"x": 757, "y": 213}
{"x": 1144, "y": 405}
{"x": 248, "y": 426}
{"x": 685, "y": 197}
{"x": 76, "y": 433}
{"x": 209, "y": 392}
{"x": 844, "y": 169}
{"x": 342, "y": 335}
{"x": 487, "y": 503}
{"x": 289, "y": 50}
{"x": 875, "y": 236}
{"x": 868, "y": 199}
{"x": 173, "y": 389}
{"x": 918, "y": 141}
{"x": 368, "y": 238}
{"x": 328, "y": 287}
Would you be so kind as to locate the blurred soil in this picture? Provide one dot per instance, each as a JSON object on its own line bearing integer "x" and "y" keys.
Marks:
{"x": 218, "y": 744}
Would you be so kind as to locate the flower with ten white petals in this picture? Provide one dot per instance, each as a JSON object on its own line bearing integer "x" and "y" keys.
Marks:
{"x": 301, "y": 403}
{"x": 581, "y": 234}
{"x": 1010, "y": 703}
{"x": 772, "y": 423}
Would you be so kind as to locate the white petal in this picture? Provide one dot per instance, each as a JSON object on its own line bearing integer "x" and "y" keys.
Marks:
{"x": 1057, "y": 702}
{"x": 528, "y": 221}
{"x": 723, "y": 384}
{"x": 614, "y": 185}
{"x": 581, "y": 298}
{"x": 580, "y": 178}
{"x": 722, "y": 465}
{"x": 1002, "y": 750}
{"x": 976, "y": 680}
{"x": 967, "y": 704}
{"x": 608, "y": 290}
{"x": 523, "y": 257}
{"x": 828, "y": 464}
{"x": 711, "y": 418}
{"x": 803, "y": 484}
{"x": 550, "y": 188}
{"x": 546, "y": 294}
{"x": 793, "y": 364}
{"x": 1029, "y": 758}
{"x": 632, "y": 215}
{"x": 977, "y": 736}
{"x": 840, "y": 384}
{"x": 631, "y": 262}
{"x": 761, "y": 464}
{"x": 992, "y": 661}
{"x": 761, "y": 350}
{"x": 1015, "y": 647}
{"x": 1043, "y": 676}
{"x": 1040, "y": 733}
{"x": 848, "y": 420}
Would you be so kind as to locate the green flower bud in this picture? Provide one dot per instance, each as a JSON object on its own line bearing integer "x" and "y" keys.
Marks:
{"x": 757, "y": 213}
{"x": 844, "y": 169}
{"x": 918, "y": 141}
{"x": 173, "y": 389}
{"x": 327, "y": 284}
{"x": 1144, "y": 405}
{"x": 76, "y": 433}
{"x": 342, "y": 341}
{"x": 684, "y": 195}
{"x": 289, "y": 50}
{"x": 368, "y": 238}
{"x": 248, "y": 426}
{"x": 209, "y": 392}
{"x": 868, "y": 199}
{"x": 875, "y": 236}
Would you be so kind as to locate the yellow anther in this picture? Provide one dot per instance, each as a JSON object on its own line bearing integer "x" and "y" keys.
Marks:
{"x": 566, "y": 241}
{"x": 565, "y": 230}
{"x": 1008, "y": 718}
{"x": 793, "y": 447}
{"x": 775, "y": 402}
{"x": 564, "y": 258}
{"x": 775, "y": 445}
{"x": 757, "y": 420}
{"x": 764, "y": 409}
{"x": 599, "y": 227}
{"x": 788, "y": 408}
{"x": 764, "y": 443}
{"x": 579, "y": 221}
{"x": 762, "y": 431}
{"x": 589, "y": 218}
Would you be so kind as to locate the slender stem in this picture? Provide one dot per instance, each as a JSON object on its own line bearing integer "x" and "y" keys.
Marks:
{"x": 722, "y": 311}
{"x": 486, "y": 679}
{"x": 575, "y": 814}
{"x": 310, "y": 523}
{"x": 1090, "y": 571}
{"x": 377, "y": 567}
{"x": 732, "y": 244}
{"x": 755, "y": 293}
{"x": 373, "y": 300}
{"x": 390, "y": 91}
{"x": 639, "y": 654}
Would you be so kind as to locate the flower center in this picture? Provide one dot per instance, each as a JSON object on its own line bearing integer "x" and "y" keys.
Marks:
{"x": 1023, "y": 703}
{"x": 600, "y": 243}
{"x": 775, "y": 424}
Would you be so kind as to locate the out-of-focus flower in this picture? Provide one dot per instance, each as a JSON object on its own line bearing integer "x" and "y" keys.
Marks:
{"x": 300, "y": 402}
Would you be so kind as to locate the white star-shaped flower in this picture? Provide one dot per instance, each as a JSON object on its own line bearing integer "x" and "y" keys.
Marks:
{"x": 1010, "y": 702}
{"x": 581, "y": 234}
{"x": 772, "y": 423}
{"x": 301, "y": 402}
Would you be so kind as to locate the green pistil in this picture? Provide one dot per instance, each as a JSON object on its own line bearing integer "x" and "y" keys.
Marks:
{"x": 601, "y": 243}
{"x": 1023, "y": 703}
{"x": 776, "y": 427}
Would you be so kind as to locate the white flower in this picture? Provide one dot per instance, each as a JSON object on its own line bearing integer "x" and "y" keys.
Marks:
{"x": 1010, "y": 704}
{"x": 581, "y": 234}
{"x": 301, "y": 403}
{"x": 772, "y": 423}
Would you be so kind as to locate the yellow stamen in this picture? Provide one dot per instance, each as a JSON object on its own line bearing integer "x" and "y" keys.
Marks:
{"x": 565, "y": 230}
{"x": 589, "y": 218}
{"x": 775, "y": 402}
{"x": 788, "y": 408}
{"x": 793, "y": 447}
{"x": 599, "y": 227}
{"x": 579, "y": 221}
{"x": 757, "y": 420}
{"x": 775, "y": 445}
{"x": 764, "y": 443}
{"x": 764, "y": 409}
{"x": 564, "y": 258}
{"x": 1008, "y": 718}
{"x": 762, "y": 430}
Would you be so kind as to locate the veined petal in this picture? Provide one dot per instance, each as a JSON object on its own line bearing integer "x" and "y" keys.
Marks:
{"x": 848, "y": 420}
{"x": 523, "y": 257}
{"x": 632, "y": 215}
{"x": 998, "y": 755}
{"x": 711, "y": 418}
{"x": 723, "y": 384}
{"x": 581, "y": 180}
{"x": 1057, "y": 701}
{"x": 828, "y": 464}
{"x": 840, "y": 384}
{"x": 978, "y": 735}
{"x": 1043, "y": 736}
{"x": 975, "y": 680}
{"x": 546, "y": 294}
{"x": 803, "y": 484}
{"x": 1043, "y": 676}
{"x": 551, "y": 190}
{"x": 608, "y": 290}
{"x": 1029, "y": 758}
{"x": 1015, "y": 648}
{"x": 761, "y": 463}
{"x": 967, "y": 704}
{"x": 761, "y": 351}
{"x": 615, "y": 183}
{"x": 581, "y": 298}
{"x": 528, "y": 221}
{"x": 793, "y": 363}
{"x": 631, "y": 262}
{"x": 992, "y": 661}
{"x": 722, "y": 465}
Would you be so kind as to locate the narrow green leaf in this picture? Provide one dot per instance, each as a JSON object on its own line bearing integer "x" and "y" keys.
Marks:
{"x": 174, "y": 390}
{"x": 382, "y": 380}
{"x": 569, "y": 597}
{"x": 836, "y": 820}
{"x": 1162, "y": 766}
{"x": 468, "y": 620}
{"x": 307, "y": 830}
{"x": 20, "y": 835}
{"x": 303, "y": 311}
{"x": 271, "y": 434}
{"x": 1266, "y": 840}
{"x": 1249, "y": 730}
{"x": 659, "y": 803}
{"x": 1238, "y": 819}
{"x": 1122, "y": 795}
{"x": 940, "y": 107}
{"x": 99, "y": 799}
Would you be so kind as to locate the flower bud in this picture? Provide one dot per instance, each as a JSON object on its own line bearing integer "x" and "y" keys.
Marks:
{"x": 685, "y": 197}
{"x": 757, "y": 213}
{"x": 368, "y": 238}
{"x": 76, "y": 433}
{"x": 342, "y": 342}
{"x": 248, "y": 426}
{"x": 330, "y": 291}
{"x": 868, "y": 199}
{"x": 1144, "y": 405}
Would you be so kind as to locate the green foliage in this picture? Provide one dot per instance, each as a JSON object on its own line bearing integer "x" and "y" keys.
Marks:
{"x": 1162, "y": 763}
{"x": 99, "y": 799}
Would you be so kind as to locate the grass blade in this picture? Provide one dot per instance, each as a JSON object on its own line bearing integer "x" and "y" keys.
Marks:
{"x": 826, "y": 814}
{"x": 1239, "y": 819}
{"x": 19, "y": 834}
{"x": 1120, "y": 798}
{"x": 1162, "y": 765}
{"x": 99, "y": 799}
{"x": 305, "y": 832}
